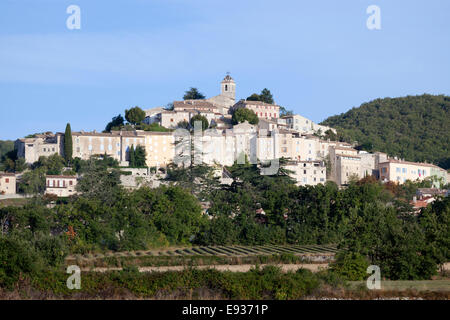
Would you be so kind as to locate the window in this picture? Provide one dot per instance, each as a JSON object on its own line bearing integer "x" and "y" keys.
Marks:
{"x": 424, "y": 172}
{"x": 226, "y": 87}
{"x": 304, "y": 171}
{"x": 70, "y": 183}
{"x": 397, "y": 170}
{"x": 403, "y": 170}
{"x": 383, "y": 170}
{"x": 7, "y": 180}
{"x": 45, "y": 150}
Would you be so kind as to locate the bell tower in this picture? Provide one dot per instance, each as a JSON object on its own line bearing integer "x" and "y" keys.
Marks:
{"x": 228, "y": 88}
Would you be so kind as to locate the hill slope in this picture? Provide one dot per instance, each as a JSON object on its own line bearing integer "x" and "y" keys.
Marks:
{"x": 416, "y": 128}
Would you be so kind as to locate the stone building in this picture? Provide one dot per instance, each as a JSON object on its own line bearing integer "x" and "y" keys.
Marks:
{"x": 399, "y": 171}
{"x": 263, "y": 110}
{"x": 45, "y": 144}
{"x": 61, "y": 186}
{"x": 304, "y": 125}
{"x": 7, "y": 183}
{"x": 307, "y": 172}
{"x": 345, "y": 164}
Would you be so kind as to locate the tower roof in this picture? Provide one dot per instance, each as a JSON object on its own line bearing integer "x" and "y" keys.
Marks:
{"x": 228, "y": 78}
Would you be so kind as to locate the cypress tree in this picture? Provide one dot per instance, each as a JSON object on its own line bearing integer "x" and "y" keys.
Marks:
{"x": 68, "y": 144}
{"x": 132, "y": 157}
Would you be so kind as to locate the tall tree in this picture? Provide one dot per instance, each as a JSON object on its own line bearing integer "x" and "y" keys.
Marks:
{"x": 115, "y": 123}
{"x": 132, "y": 157}
{"x": 135, "y": 115}
{"x": 266, "y": 96}
{"x": 193, "y": 94}
{"x": 140, "y": 157}
{"x": 68, "y": 144}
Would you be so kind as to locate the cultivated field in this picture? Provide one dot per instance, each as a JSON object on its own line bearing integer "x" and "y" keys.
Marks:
{"x": 224, "y": 251}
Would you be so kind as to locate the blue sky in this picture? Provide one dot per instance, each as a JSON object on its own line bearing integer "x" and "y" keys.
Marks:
{"x": 317, "y": 57}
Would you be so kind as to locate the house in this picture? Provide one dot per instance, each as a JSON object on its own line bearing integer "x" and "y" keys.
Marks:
{"x": 399, "y": 171}
{"x": 45, "y": 144}
{"x": 7, "y": 183}
{"x": 304, "y": 125}
{"x": 261, "y": 109}
{"x": 61, "y": 186}
{"x": 307, "y": 172}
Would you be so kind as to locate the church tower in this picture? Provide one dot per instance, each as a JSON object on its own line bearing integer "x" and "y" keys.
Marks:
{"x": 228, "y": 87}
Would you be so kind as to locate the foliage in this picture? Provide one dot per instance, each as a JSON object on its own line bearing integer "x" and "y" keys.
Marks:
{"x": 244, "y": 114}
{"x": 99, "y": 182}
{"x": 414, "y": 127}
{"x": 52, "y": 165}
{"x": 68, "y": 144}
{"x": 5, "y": 147}
{"x": 193, "y": 94}
{"x": 115, "y": 124}
{"x": 264, "y": 96}
{"x": 135, "y": 115}
{"x": 33, "y": 182}
{"x": 152, "y": 127}
{"x": 198, "y": 117}
{"x": 351, "y": 266}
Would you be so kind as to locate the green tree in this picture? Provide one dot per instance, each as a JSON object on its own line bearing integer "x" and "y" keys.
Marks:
{"x": 68, "y": 149}
{"x": 243, "y": 114}
{"x": 198, "y": 117}
{"x": 33, "y": 182}
{"x": 266, "y": 96}
{"x": 135, "y": 115}
{"x": 132, "y": 157}
{"x": 115, "y": 124}
{"x": 99, "y": 182}
{"x": 140, "y": 157}
{"x": 254, "y": 97}
{"x": 193, "y": 94}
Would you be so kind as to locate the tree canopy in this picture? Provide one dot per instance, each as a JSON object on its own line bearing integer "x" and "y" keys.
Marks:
{"x": 193, "y": 94}
{"x": 199, "y": 117}
{"x": 115, "y": 124}
{"x": 135, "y": 115}
{"x": 414, "y": 127}
{"x": 244, "y": 114}
{"x": 264, "y": 96}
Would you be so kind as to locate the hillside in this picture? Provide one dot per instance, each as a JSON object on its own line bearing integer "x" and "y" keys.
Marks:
{"x": 5, "y": 147}
{"x": 416, "y": 128}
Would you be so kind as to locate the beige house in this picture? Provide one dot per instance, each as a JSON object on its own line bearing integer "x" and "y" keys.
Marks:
{"x": 307, "y": 172}
{"x": 61, "y": 186}
{"x": 345, "y": 164}
{"x": 304, "y": 125}
{"x": 399, "y": 171}
{"x": 7, "y": 183}
{"x": 263, "y": 110}
{"x": 40, "y": 145}
{"x": 159, "y": 147}
{"x": 87, "y": 144}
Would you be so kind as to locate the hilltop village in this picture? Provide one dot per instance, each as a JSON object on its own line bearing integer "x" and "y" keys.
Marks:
{"x": 310, "y": 156}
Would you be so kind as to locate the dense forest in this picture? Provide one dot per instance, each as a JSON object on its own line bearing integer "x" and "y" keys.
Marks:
{"x": 415, "y": 128}
{"x": 370, "y": 221}
{"x": 5, "y": 147}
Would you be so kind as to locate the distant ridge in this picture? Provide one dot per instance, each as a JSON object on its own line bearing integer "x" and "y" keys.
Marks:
{"x": 416, "y": 128}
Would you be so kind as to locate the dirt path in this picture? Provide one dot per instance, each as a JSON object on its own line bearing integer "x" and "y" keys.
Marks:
{"x": 314, "y": 267}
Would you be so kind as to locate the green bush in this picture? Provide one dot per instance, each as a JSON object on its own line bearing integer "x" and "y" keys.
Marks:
{"x": 351, "y": 266}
